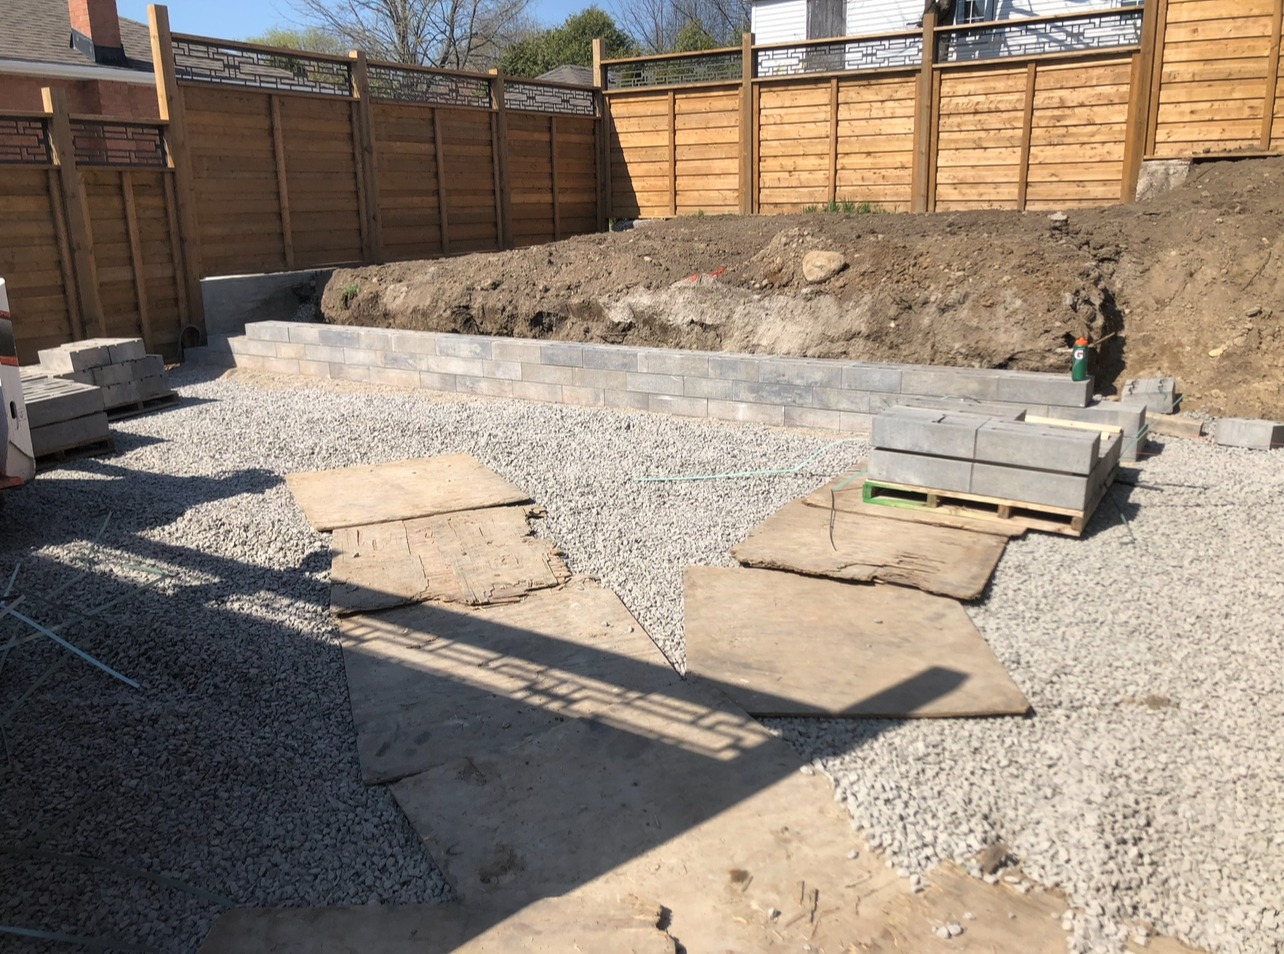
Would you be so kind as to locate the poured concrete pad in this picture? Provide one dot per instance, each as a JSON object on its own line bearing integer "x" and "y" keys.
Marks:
{"x": 357, "y": 496}
{"x": 433, "y": 683}
{"x": 554, "y": 926}
{"x": 474, "y": 557}
{"x": 783, "y": 644}
{"x": 862, "y": 548}
{"x": 843, "y": 495}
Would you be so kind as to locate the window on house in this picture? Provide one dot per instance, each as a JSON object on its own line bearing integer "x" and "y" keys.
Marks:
{"x": 975, "y": 11}
{"x": 826, "y": 18}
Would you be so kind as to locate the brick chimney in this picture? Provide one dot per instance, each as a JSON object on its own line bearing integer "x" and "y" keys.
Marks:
{"x": 95, "y": 31}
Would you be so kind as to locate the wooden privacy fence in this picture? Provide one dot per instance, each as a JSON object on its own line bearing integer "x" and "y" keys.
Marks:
{"x": 1039, "y": 113}
{"x": 88, "y": 230}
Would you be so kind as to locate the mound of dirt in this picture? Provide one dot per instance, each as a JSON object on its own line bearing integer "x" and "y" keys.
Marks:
{"x": 1187, "y": 284}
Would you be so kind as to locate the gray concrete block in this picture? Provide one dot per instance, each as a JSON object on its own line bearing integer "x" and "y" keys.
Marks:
{"x": 1064, "y": 450}
{"x": 655, "y": 361}
{"x": 361, "y": 356}
{"x": 992, "y": 409}
{"x": 414, "y": 342}
{"x": 1158, "y": 395}
{"x": 783, "y": 394}
{"x": 594, "y": 378}
{"x": 110, "y": 374}
{"x": 485, "y": 387}
{"x": 565, "y": 355}
{"x": 68, "y": 358}
{"x": 534, "y": 391}
{"x": 683, "y": 406}
{"x": 747, "y": 413}
{"x": 339, "y": 336}
{"x": 119, "y": 395}
{"x": 153, "y": 365}
{"x": 350, "y": 372}
{"x": 872, "y": 377}
{"x": 394, "y": 377}
{"x": 980, "y": 384}
{"x": 548, "y": 374}
{"x": 314, "y": 369}
{"x": 654, "y": 383}
{"x": 1131, "y": 419}
{"x": 721, "y": 389}
{"x": 319, "y": 352}
{"x": 443, "y": 364}
{"x": 630, "y": 400}
{"x": 523, "y": 350}
{"x": 1246, "y": 432}
{"x": 920, "y": 470}
{"x": 1038, "y": 487}
{"x": 403, "y": 361}
{"x": 436, "y": 381}
{"x": 842, "y": 399}
{"x": 121, "y": 350}
{"x": 736, "y": 367}
{"x": 306, "y": 333}
{"x": 611, "y": 358}
{"x": 1030, "y": 387}
{"x": 51, "y": 400}
{"x": 800, "y": 372}
{"x": 1111, "y": 452}
{"x": 813, "y": 417}
{"x": 927, "y": 431}
{"x": 582, "y": 396}
{"x": 68, "y": 435}
{"x": 252, "y": 346}
{"x": 506, "y": 370}
{"x": 233, "y": 302}
{"x": 154, "y": 387}
{"x": 463, "y": 346}
{"x": 375, "y": 339}
{"x": 267, "y": 330}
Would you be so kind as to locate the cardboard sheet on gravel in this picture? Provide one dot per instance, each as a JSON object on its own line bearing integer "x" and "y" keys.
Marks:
{"x": 474, "y": 557}
{"x": 862, "y": 548}
{"x": 844, "y": 496}
{"x": 783, "y": 644}
{"x": 359, "y": 496}
{"x": 432, "y": 683}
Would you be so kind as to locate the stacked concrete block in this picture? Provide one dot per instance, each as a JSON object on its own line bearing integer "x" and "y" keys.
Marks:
{"x": 1131, "y": 419}
{"x": 1017, "y": 461}
{"x": 1247, "y": 432}
{"x": 64, "y": 415}
{"x": 1158, "y": 395}
{"x": 121, "y": 367}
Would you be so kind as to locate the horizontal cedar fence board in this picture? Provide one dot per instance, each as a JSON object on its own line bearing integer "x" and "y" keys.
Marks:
{"x": 31, "y": 260}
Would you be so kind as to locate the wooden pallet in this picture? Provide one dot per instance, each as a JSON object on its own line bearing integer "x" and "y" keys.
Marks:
{"x": 141, "y": 407}
{"x": 92, "y": 449}
{"x": 928, "y": 504}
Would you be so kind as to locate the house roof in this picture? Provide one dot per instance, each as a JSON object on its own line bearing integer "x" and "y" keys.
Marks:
{"x": 579, "y": 75}
{"x": 39, "y": 31}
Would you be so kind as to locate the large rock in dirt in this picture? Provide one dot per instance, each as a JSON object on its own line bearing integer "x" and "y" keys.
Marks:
{"x": 822, "y": 266}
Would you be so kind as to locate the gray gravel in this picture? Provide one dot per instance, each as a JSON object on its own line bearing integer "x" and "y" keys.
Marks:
{"x": 1149, "y": 784}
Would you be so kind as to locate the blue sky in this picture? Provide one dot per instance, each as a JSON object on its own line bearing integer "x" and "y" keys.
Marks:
{"x": 237, "y": 19}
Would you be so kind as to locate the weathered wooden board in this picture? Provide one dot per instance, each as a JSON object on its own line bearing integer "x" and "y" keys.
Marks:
{"x": 359, "y": 496}
{"x": 430, "y": 683}
{"x": 864, "y": 548}
{"x": 844, "y": 496}
{"x": 473, "y": 556}
{"x": 783, "y": 644}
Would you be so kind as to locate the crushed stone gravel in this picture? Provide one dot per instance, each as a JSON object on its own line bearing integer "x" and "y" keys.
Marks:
{"x": 1147, "y": 784}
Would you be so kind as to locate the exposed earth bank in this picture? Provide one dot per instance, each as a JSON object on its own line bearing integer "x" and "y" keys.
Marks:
{"x": 1189, "y": 285}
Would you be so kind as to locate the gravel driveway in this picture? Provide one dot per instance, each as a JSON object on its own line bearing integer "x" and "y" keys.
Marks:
{"x": 1149, "y": 783}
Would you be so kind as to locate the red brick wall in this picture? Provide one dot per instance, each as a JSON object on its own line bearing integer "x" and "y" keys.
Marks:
{"x": 89, "y": 97}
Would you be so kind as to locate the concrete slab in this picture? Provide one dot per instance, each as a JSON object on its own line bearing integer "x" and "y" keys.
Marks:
{"x": 1246, "y": 432}
{"x": 473, "y": 556}
{"x": 1039, "y": 487}
{"x": 866, "y": 548}
{"x": 991, "y": 409}
{"x": 786, "y": 645}
{"x": 52, "y": 400}
{"x": 1018, "y": 444}
{"x": 920, "y": 470}
{"x": 74, "y": 357}
{"x": 70, "y": 435}
{"x": 431, "y": 683}
{"x": 357, "y": 496}
{"x": 1157, "y": 395}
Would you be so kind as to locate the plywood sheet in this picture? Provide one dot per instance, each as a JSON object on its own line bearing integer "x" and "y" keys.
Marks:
{"x": 359, "y": 496}
{"x": 863, "y": 548}
{"x": 431, "y": 683}
{"x": 474, "y": 557}
{"x": 782, "y": 644}
{"x": 843, "y": 494}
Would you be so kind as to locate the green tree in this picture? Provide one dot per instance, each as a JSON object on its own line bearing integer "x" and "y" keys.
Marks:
{"x": 570, "y": 44}
{"x": 307, "y": 39}
{"x": 693, "y": 37}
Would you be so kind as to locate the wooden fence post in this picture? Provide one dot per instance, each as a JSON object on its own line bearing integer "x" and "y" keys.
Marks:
{"x": 367, "y": 158}
{"x": 924, "y": 120}
{"x": 79, "y": 232}
{"x": 443, "y": 219}
{"x": 1140, "y": 104}
{"x": 748, "y": 184}
{"x": 602, "y": 136}
{"x": 136, "y": 257}
{"x": 673, "y": 153}
{"x": 552, "y": 165}
{"x": 1272, "y": 76}
{"x": 282, "y": 179}
{"x": 833, "y": 142}
{"x": 499, "y": 145}
{"x": 170, "y": 102}
{"x": 1027, "y": 134}
{"x": 1157, "y": 13}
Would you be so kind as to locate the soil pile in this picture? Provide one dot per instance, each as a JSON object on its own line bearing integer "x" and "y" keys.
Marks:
{"x": 1188, "y": 284}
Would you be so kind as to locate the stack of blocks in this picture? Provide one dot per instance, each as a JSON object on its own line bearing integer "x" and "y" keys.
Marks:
{"x": 1038, "y": 464}
{"x": 64, "y": 415}
{"x": 121, "y": 367}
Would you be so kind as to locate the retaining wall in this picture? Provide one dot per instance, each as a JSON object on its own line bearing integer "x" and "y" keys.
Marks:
{"x": 764, "y": 389}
